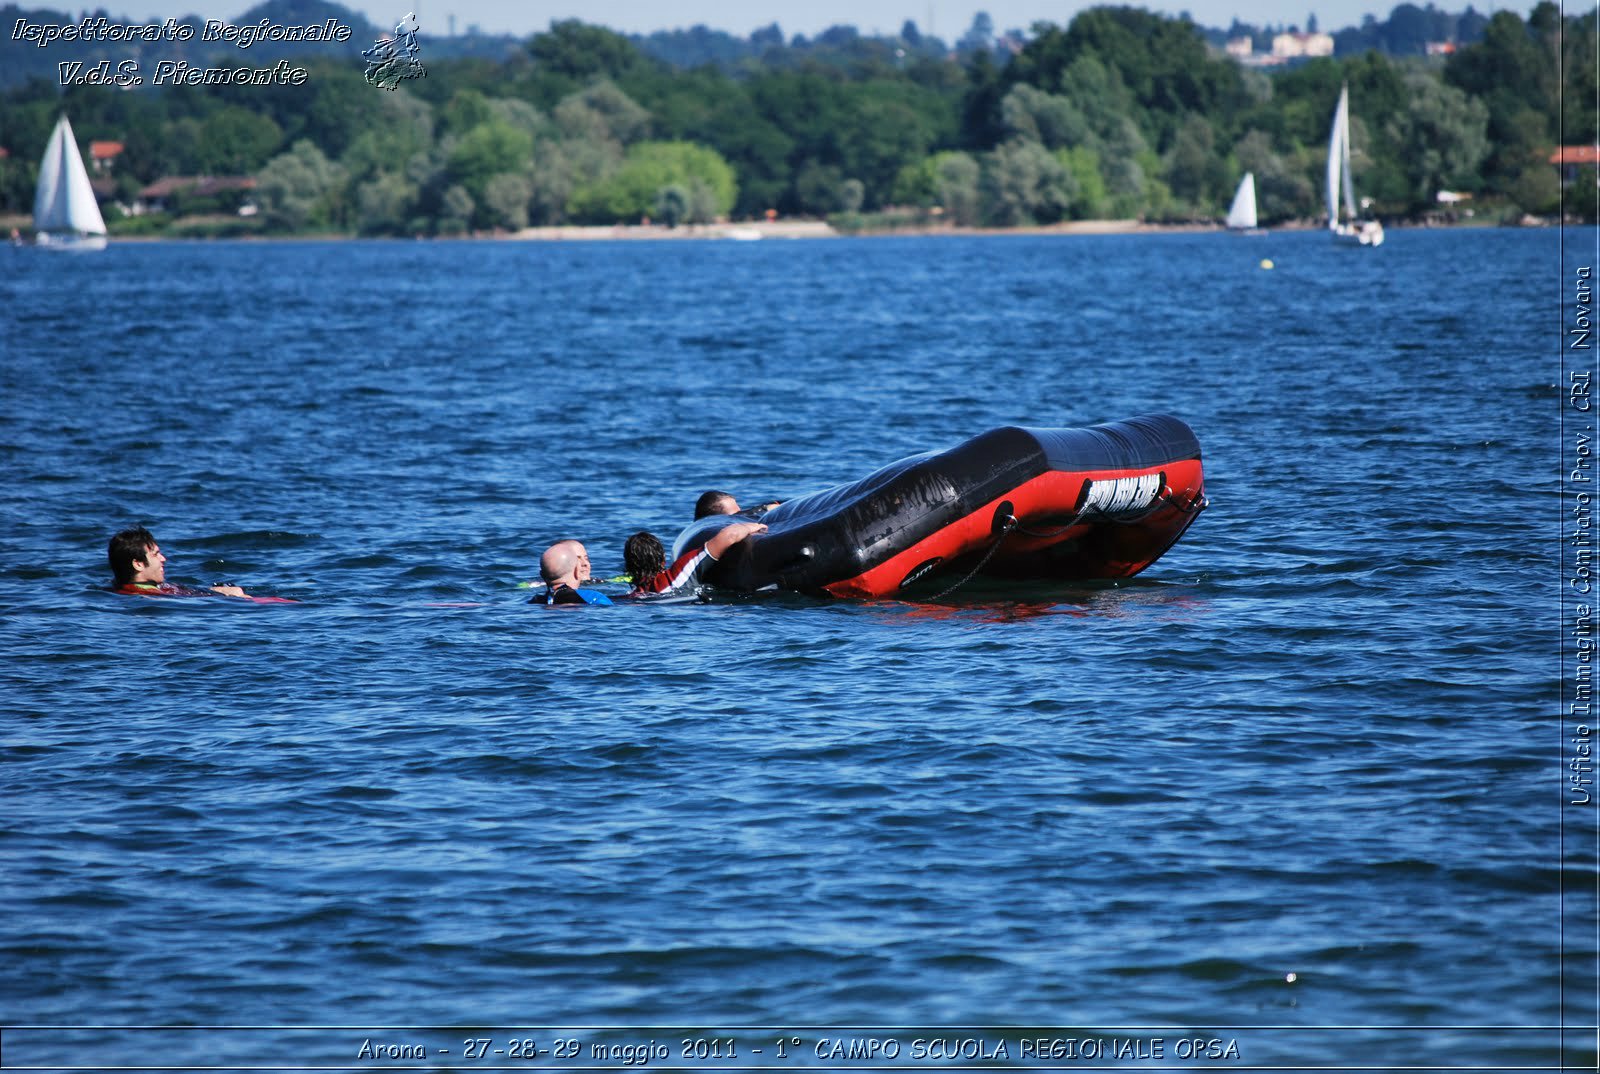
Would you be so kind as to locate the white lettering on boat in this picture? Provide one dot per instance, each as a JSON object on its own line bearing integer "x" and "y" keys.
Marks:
{"x": 1123, "y": 495}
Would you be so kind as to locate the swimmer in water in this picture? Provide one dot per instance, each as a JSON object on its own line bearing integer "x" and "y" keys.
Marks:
{"x": 139, "y": 568}
{"x": 564, "y": 568}
{"x": 715, "y": 502}
{"x": 646, "y": 561}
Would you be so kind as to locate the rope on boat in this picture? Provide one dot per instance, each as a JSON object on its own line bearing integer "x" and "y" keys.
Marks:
{"x": 1009, "y": 525}
{"x": 1199, "y": 503}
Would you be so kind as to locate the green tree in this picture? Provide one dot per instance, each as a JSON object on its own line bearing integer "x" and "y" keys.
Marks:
{"x": 915, "y": 184}
{"x": 580, "y": 53}
{"x": 332, "y": 110}
{"x": 1128, "y": 166}
{"x": 852, "y": 193}
{"x": 466, "y": 109}
{"x": 805, "y": 107}
{"x": 1581, "y": 92}
{"x": 17, "y": 179}
{"x": 704, "y": 204}
{"x": 384, "y": 205}
{"x": 551, "y": 178}
{"x": 505, "y": 200}
{"x": 602, "y": 112}
{"x": 632, "y": 191}
{"x": 1022, "y": 183}
{"x": 1440, "y": 138}
{"x": 1282, "y": 191}
{"x": 299, "y": 189}
{"x": 456, "y": 211}
{"x": 1194, "y": 172}
{"x": 956, "y": 183}
{"x": 719, "y": 112}
{"x": 1083, "y": 166}
{"x": 405, "y": 131}
{"x": 987, "y": 84}
{"x": 1409, "y": 30}
{"x": 1581, "y": 198}
{"x": 1164, "y": 64}
{"x": 878, "y": 136}
{"x": 519, "y": 114}
{"x": 235, "y": 141}
{"x": 672, "y": 205}
{"x": 1538, "y": 190}
{"x": 1099, "y": 93}
{"x": 818, "y": 189}
{"x": 1052, "y": 121}
{"x": 487, "y": 150}
{"x": 1516, "y": 75}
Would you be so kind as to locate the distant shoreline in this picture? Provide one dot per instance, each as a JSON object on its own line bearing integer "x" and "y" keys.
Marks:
{"x": 748, "y": 231}
{"x": 821, "y": 229}
{"x": 756, "y": 230}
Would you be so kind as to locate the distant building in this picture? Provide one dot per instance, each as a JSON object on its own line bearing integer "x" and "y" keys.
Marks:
{"x": 155, "y": 197}
{"x": 1294, "y": 46}
{"x": 158, "y": 196}
{"x": 1010, "y": 42}
{"x": 103, "y": 155}
{"x": 1570, "y": 158}
{"x": 1243, "y": 50}
{"x": 1262, "y": 59}
{"x": 1440, "y": 48}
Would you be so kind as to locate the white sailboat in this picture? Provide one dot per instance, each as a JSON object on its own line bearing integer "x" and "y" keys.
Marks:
{"x": 66, "y": 215}
{"x": 1242, "y": 213}
{"x": 1348, "y": 231}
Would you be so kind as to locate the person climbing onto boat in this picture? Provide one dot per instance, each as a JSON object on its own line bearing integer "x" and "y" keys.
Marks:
{"x": 564, "y": 568}
{"x": 715, "y": 502}
{"x": 139, "y": 568}
{"x": 646, "y": 561}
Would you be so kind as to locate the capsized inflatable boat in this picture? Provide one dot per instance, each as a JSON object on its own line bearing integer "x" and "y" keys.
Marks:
{"x": 1056, "y": 504}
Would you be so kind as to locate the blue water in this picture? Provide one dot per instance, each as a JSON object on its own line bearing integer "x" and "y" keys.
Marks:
{"x": 1305, "y": 772}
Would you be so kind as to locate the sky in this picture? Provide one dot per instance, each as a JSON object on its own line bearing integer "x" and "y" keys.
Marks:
{"x": 945, "y": 18}
{"x": 948, "y": 18}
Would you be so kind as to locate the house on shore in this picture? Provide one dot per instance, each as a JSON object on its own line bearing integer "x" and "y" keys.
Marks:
{"x": 1571, "y": 159}
{"x": 197, "y": 193}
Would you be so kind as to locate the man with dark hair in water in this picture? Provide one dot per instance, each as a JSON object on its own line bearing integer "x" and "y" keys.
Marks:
{"x": 646, "y": 561}
{"x": 140, "y": 569}
{"x": 714, "y": 502}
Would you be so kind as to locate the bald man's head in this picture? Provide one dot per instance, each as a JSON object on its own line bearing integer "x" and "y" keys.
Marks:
{"x": 565, "y": 562}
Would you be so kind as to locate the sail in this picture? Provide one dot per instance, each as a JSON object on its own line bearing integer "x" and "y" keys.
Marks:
{"x": 64, "y": 200}
{"x": 1340, "y": 182}
{"x": 1242, "y": 213}
{"x": 1338, "y": 154}
{"x": 1346, "y": 178}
